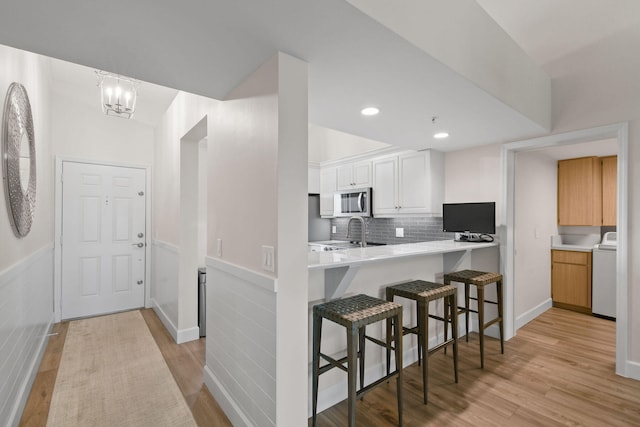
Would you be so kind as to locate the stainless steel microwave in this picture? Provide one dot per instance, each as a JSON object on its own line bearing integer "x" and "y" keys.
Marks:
{"x": 352, "y": 202}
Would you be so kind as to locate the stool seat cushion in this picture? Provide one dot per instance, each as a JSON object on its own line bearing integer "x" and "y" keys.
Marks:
{"x": 421, "y": 290}
{"x": 358, "y": 310}
{"x": 473, "y": 276}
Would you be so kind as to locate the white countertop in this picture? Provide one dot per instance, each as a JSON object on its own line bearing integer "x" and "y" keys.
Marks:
{"x": 574, "y": 242}
{"x": 577, "y": 248}
{"x": 361, "y": 256}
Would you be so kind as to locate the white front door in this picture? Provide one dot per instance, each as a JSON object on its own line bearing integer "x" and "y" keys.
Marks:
{"x": 103, "y": 239}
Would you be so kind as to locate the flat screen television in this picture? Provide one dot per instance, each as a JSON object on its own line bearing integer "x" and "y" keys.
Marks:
{"x": 475, "y": 221}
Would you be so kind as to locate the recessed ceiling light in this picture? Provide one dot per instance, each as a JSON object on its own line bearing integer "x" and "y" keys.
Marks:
{"x": 441, "y": 135}
{"x": 370, "y": 111}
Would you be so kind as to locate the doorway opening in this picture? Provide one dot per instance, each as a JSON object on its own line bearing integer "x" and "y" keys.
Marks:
{"x": 193, "y": 227}
{"x": 509, "y": 151}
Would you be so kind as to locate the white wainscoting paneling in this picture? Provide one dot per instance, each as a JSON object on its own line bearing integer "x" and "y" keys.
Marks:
{"x": 26, "y": 317}
{"x": 165, "y": 262}
{"x": 240, "y": 366}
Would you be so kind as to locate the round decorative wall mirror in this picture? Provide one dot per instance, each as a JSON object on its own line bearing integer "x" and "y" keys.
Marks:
{"x": 19, "y": 159}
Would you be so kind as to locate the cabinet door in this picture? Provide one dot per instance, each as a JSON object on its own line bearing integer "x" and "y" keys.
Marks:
{"x": 571, "y": 279}
{"x": 362, "y": 175}
{"x": 345, "y": 177}
{"x": 384, "y": 186}
{"x": 570, "y": 284}
{"x": 327, "y": 188}
{"x": 413, "y": 183}
{"x": 580, "y": 191}
{"x": 609, "y": 190}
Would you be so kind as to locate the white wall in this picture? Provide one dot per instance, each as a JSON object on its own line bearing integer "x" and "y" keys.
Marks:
{"x": 84, "y": 132}
{"x": 26, "y": 276}
{"x": 474, "y": 175}
{"x": 535, "y": 222}
{"x": 257, "y": 190}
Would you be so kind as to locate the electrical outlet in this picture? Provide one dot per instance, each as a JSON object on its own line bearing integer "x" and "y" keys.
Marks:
{"x": 219, "y": 247}
{"x": 399, "y": 232}
{"x": 334, "y": 229}
{"x": 268, "y": 258}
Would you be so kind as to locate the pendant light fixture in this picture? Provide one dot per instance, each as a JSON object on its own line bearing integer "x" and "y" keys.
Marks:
{"x": 118, "y": 94}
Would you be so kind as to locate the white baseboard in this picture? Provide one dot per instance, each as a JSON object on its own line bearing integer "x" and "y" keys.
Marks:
{"x": 27, "y": 383}
{"x": 228, "y": 405}
{"x": 166, "y": 321}
{"x": 536, "y": 311}
{"x": 633, "y": 370}
{"x": 179, "y": 335}
{"x": 186, "y": 335}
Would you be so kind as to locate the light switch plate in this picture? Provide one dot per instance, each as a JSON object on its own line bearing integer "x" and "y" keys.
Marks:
{"x": 268, "y": 258}
{"x": 334, "y": 229}
{"x": 219, "y": 247}
{"x": 399, "y": 232}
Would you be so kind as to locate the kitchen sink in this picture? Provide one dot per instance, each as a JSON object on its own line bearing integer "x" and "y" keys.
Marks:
{"x": 338, "y": 245}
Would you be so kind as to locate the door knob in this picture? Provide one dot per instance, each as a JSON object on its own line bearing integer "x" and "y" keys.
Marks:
{"x": 140, "y": 245}
{"x": 139, "y": 282}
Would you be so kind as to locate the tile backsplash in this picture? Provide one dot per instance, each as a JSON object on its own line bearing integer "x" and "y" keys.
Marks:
{"x": 383, "y": 230}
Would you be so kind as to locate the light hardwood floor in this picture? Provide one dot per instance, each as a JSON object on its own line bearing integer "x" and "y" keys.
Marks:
{"x": 558, "y": 370}
{"x": 185, "y": 361}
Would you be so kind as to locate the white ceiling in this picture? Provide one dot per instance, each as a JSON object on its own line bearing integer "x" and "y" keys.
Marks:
{"x": 549, "y": 30}
{"x": 207, "y": 47}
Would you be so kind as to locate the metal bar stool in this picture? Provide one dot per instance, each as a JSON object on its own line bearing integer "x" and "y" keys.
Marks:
{"x": 355, "y": 313}
{"x": 480, "y": 279}
{"x": 423, "y": 293}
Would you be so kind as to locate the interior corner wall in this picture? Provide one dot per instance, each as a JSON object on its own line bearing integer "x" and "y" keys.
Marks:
{"x": 535, "y": 222}
{"x": 26, "y": 264}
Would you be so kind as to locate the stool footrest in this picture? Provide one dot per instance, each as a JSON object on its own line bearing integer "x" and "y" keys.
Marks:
{"x": 441, "y": 345}
{"x": 333, "y": 363}
{"x": 364, "y": 390}
{"x": 491, "y": 322}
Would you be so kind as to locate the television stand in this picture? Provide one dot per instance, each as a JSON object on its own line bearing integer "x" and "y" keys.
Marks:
{"x": 473, "y": 237}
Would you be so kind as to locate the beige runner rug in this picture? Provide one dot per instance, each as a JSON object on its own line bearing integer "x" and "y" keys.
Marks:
{"x": 113, "y": 374}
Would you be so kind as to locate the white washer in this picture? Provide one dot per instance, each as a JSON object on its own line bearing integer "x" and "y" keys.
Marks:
{"x": 604, "y": 277}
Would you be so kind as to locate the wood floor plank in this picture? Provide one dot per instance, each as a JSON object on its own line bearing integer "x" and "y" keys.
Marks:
{"x": 559, "y": 370}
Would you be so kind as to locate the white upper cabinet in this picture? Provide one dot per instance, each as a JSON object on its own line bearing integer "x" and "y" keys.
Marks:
{"x": 355, "y": 175}
{"x": 327, "y": 188}
{"x": 409, "y": 184}
{"x": 385, "y": 173}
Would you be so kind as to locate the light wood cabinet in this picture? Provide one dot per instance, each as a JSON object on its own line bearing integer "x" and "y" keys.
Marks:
{"x": 327, "y": 188}
{"x": 356, "y": 175}
{"x": 580, "y": 191}
{"x": 609, "y": 189}
{"x": 408, "y": 184}
{"x": 571, "y": 280}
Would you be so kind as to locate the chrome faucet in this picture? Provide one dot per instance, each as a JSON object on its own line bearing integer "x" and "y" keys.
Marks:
{"x": 363, "y": 228}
